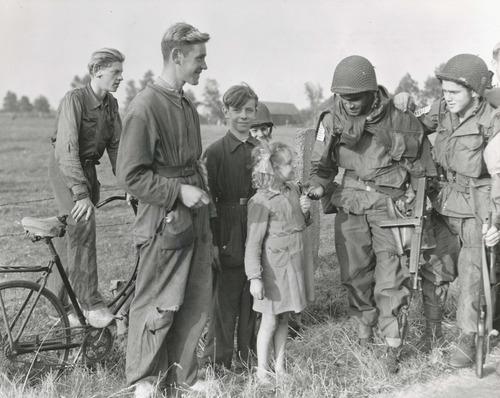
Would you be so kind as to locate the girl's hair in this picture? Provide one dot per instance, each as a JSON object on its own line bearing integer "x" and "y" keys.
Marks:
{"x": 266, "y": 161}
{"x": 103, "y": 58}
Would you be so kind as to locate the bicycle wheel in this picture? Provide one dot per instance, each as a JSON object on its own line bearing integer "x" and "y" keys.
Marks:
{"x": 39, "y": 330}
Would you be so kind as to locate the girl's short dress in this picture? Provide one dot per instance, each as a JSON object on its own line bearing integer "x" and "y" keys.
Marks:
{"x": 275, "y": 250}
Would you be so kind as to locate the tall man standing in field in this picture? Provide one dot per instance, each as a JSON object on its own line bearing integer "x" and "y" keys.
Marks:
{"x": 380, "y": 149}
{"x": 158, "y": 162}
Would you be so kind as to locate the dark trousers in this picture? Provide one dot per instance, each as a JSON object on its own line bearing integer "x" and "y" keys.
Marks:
{"x": 232, "y": 304}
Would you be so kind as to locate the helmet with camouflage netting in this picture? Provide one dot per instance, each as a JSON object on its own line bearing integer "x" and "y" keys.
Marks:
{"x": 468, "y": 70}
{"x": 354, "y": 74}
{"x": 262, "y": 116}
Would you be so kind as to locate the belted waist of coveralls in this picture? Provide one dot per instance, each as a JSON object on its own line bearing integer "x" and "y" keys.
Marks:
{"x": 371, "y": 186}
{"x": 176, "y": 171}
{"x": 232, "y": 202}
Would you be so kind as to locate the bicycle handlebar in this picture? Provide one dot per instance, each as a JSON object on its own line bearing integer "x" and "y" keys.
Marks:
{"x": 133, "y": 201}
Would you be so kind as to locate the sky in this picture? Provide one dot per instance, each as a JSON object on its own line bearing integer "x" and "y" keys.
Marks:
{"x": 275, "y": 46}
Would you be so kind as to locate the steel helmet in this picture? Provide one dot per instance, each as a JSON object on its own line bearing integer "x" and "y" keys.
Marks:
{"x": 468, "y": 70}
{"x": 354, "y": 74}
{"x": 262, "y": 116}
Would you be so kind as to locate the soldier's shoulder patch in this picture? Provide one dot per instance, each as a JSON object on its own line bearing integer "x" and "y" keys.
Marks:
{"x": 422, "y": 111}
{"x": 320, "y": 136}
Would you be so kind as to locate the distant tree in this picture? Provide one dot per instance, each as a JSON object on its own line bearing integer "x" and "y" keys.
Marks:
{"x": 41, "y": 105}
{"x": 147, "y": 78}
{"x": 212, "y": 101}
{"x": 314, "y": 94}
{"x": 131, "y": 91}
{"x": 80, "y": 81}
{"x": 25, "y": 105}
{"x": 432, "y": 87}
{"x": 10, "y": 103}
{"x": 409, "y": 85}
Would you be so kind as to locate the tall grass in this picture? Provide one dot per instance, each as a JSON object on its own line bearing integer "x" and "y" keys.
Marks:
{"x": 324, "y": 358}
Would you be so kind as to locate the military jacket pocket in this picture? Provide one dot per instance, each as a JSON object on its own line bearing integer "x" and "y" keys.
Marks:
{"x": 176, "y": 229}
{"x": 467, "y": 155}
{"x": 405, "y": 144}
{"x": 88, "y": 130}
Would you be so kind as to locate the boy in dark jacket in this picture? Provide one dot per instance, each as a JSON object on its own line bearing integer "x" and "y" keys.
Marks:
{"x": 229, "y": 178}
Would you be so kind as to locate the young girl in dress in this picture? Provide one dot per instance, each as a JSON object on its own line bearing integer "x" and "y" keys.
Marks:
{"x": 274, "y": 256}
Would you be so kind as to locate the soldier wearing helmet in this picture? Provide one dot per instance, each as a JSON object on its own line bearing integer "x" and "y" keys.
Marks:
{"x": 464, "y": 123}
{"x": 262, "y": 127}
{"x": 380, "y": 149}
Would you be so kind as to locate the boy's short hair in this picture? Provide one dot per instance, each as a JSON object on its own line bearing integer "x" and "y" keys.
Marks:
{"x": 181, "y": 35}
{"x": 238, "y": 95}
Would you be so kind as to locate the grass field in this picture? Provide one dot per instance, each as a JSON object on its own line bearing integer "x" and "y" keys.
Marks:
{"x": 324, "y": 359}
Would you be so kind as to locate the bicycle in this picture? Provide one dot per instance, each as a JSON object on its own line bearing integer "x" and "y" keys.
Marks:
{"x": 35, "y": 333}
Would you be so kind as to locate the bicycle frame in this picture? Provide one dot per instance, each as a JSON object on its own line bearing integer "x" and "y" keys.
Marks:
{"x": 116, "y": 304}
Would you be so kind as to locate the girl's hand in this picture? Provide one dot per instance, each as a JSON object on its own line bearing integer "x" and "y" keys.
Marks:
{"x": 257, "y": 289}
{"x": 305, "y": 203}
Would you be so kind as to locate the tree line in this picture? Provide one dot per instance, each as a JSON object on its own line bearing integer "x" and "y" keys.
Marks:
{"x": 210, "y": 106}
{"x": 12, "y": 104}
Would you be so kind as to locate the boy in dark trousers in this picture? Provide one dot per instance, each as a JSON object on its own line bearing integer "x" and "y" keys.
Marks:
{"x": 230, "y": 181}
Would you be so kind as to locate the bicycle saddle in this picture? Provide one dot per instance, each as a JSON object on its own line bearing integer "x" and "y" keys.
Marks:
{"x": 41, "y": 228}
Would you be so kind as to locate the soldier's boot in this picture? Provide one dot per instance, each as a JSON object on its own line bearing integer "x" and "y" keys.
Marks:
{"x": 464, "y": 351}
{"x": 432, "y": 337}
{"x": 432, "y": 297}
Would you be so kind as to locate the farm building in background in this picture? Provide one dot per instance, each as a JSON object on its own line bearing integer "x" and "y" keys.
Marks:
{"x": 283, "y": 113}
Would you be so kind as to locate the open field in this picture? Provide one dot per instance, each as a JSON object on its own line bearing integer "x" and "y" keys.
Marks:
{"x": 324, "y": 359}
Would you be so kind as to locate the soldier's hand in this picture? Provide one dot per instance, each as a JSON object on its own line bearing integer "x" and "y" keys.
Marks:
{"x": 83, "y": 207}
{"x": 402, "y": 101}
{"x": 305, "y": 203}
{"x": 193, "y": 197}
{"x": 316, "y": 192}
{"x": 491, "y": 236}
{"x": 257, "y": 289}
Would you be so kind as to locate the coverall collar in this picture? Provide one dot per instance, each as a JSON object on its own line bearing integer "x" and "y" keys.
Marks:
{"x": 234, "y": 142}
{"x": 175, "y": 96}
{"x": 90, "y": 98}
